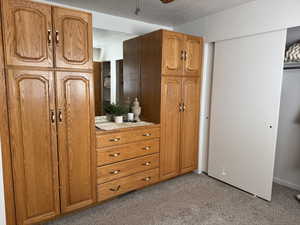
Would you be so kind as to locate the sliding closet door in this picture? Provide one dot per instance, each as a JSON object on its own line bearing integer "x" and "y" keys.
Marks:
{"x": 245, "y": 109}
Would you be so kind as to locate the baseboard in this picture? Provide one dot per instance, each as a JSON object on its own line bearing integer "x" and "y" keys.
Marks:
{"x": 286, "y": 183}
{"x": 198, "y": 171}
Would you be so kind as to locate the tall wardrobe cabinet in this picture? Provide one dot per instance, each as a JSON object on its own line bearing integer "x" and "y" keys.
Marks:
{"x": 48, "y": 63}
{"x": 170, "y": 66}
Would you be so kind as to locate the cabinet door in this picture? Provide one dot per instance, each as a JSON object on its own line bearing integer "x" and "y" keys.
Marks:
{"x": 173, "y": 54}
{"x": 33, "y": 145}
{"x": 190, "y": 124}
{"x": 27, "y": 33}
{"x": 193, "y": 55}
{"x": 76, "y": 141}
{"x": 170, "y": 127}
{"x": 73, "y": 38}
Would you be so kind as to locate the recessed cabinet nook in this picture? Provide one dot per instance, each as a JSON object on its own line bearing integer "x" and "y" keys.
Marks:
{"x": 55, "y": 161}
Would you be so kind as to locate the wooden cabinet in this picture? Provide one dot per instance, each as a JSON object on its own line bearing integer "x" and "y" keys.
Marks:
{"x": 192, "y": 56}
{"x": 73, "y": 38}
{"x": 29, "y": 37}
{"x": 130, "y": 160}
{"x": 33, "y": 145}
{"x": 75, "y": 112}
{"x": 126, "y": 184}
{"x": 37, "y": 125}
{"x": 182, "y": 54}
{"x": 170, "y": 127}
{"x": 189, "y": 124}
{"x": 173, "y": 53}
{"x": 180, "y": 126}
{"x": 51, "y": 114}
{"x": 27, "y": 33}
{"x": 172, "y": 63}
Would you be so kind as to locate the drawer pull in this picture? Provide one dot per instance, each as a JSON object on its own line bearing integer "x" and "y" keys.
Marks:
{"x": 115, "y": 155}
{"x": 146, "y": 179}
{"x": 115, "y": 139}
{"x": 147, "y": 148}
{"x": 147, "y": 164}
{"x": 115, "y": 172}
{"x": 147, "y": 135}
{"x": 115, "y": 189}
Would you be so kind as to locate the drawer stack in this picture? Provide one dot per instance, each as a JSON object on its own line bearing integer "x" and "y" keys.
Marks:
{"x": 126, "y": 160}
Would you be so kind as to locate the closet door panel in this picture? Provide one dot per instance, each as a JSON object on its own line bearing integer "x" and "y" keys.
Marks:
{"x": 193, "y": 55}
{"x": 75, "y": 106}
{"x": 190, "y": 124}
{"x": 33, "y": 145}
{"x": 73, "y": 38}
{"x": 170, "y": 129}
{"x": 172, "y": 60}
{"x": 27, "y": 33}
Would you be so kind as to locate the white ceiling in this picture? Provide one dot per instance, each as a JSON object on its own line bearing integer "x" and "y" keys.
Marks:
{"x": 153, "y": 11}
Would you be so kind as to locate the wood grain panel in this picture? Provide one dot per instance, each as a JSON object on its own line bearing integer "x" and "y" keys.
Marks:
{"x": 27, "y": 33}
{"x": 190, "y": 124}
{"x": 97, "y": 88}
{"x": 193, "y": 55}
{"x": 118, "y": 138}
{"x": 75, "y": 107}
{"x": 132, "y": 68}
{"x": 5, "y": 143}
{"x": 126, "y": 168}
{"x": 128, "y": 151}
{"x": 117, "y": 187}
{"x": 170, "y": 127}
{"x": 172, "y": 53}
{"x": 33, "y": 145}
{"x": 151, "y": 60}
{"x": 73, "y": 38}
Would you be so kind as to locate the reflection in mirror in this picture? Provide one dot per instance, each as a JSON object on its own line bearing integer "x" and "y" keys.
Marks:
{"x": 108, "y": 67}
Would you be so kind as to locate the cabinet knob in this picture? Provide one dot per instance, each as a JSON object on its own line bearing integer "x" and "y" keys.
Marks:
{"x": 147, "y": 164}
{"x": 49, "y": 37}
{"x": 115, "y": 139}
{"x": 115, "y": 172}
{"x": 147, "y": 135}
{"x": 115, "y": 189}
{"x": 115, "y": 155}
{"x": 182, "y": 55}
{"x": 60, "y": 115}
{"x": 52, "y": 116}
{"x": 57, "y": 37}
{"x": 146, "y": 179}
{"x": 147, "y": 148}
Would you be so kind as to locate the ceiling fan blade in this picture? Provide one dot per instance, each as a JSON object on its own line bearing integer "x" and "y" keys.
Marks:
{"x": 166, "y": 1}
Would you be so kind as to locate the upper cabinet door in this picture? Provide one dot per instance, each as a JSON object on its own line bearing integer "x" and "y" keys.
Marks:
{"x": 190, "y": 124}
{"x": 173, "y": 54}
{"x": 73, "y": 38}
{"x": 27, "y": 33}
{"x": 170, "y": 127}
{"x": 76, "y": 141}
{"x": 193, "y": 55}
{"x": 33, "y": 145}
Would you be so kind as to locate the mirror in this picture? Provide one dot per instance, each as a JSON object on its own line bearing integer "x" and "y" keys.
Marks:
{"x": 108, "y": 67}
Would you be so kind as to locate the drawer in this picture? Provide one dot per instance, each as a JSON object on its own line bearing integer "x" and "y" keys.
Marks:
{"x": 112, "y": 139}
{"x": 127, "y": 151}
{"x": 126, "y": 184}
{"x": 126, "y": 168}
